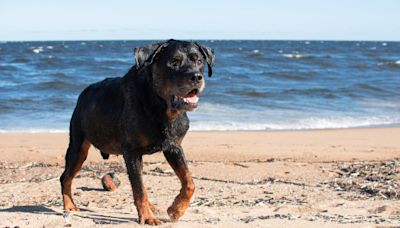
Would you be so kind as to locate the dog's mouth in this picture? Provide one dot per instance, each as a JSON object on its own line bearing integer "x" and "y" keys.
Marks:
{"x": 187, "y": 102}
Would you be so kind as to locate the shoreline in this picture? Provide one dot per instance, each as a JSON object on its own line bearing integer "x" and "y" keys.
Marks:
{"x": 397, "y": 125}
{"x": 317, "y": 145}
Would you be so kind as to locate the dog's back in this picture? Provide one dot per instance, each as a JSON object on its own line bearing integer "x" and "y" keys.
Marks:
{"x": 97, "y": 113}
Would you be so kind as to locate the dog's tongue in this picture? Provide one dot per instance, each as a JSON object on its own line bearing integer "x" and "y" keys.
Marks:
{"x": 192, "y": 99}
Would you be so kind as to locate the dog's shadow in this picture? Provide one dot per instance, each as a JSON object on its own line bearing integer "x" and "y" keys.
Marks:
{"x": 34, "y": 209}
{"x": 86, "y": 189}
{"x": 97, "y": 217}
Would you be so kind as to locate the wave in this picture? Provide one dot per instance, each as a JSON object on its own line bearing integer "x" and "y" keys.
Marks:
{"x": 370, "y": 88}
{"x": 391, "y": 64}
{"x": 297, "y": 56}
{"x": 376, "y": 103}
{"x": 293, "y": 56}
{"x": 301, "y": 124}
{"x": 316, "y": 60}
{"x": 59, "y": 75}
{"x": 291, "y": 75}
{"x": 306, "y": 124}
{"x": 312, "y": 92}
{"x": 37, "y": 50}
{"x": 221, "y": 117}
{"x": 8, "y": 68}
{"x": 256, "y": 53}
{"x": 59, "y": 85}
{"x": 112, "y": 62}
{"x": 35, "y": 130}
{"x": 211, "y": 117}
{"x": 21, "y": 59}
{"x": 7, "y": 84}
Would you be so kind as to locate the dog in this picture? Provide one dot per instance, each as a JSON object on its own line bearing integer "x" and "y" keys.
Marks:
{"x": 138, "y": 114}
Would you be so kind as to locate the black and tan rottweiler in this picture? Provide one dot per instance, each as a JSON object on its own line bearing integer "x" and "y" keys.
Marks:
{"x": 141, "y": 113}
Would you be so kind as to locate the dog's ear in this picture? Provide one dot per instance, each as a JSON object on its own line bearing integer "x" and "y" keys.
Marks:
{"x": 145, "y": 55}
{"x": 208, "y": 54}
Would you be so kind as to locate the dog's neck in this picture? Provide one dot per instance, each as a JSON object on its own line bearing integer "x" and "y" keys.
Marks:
{"x": 152, "y": 103}
{"x": 173, "y": 113}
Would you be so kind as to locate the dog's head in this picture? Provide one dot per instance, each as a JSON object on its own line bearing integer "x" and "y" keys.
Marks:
{"x": 177, "y": 70}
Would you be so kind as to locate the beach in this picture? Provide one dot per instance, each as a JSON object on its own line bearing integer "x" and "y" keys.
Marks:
{"x": 294, "y": 113}
{"x": 314, "y": 178}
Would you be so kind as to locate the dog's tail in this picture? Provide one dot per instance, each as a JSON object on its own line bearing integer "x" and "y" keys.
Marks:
{"x": 104, "y": 155}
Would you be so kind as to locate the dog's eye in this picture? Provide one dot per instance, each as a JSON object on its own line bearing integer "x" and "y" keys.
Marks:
{"x": 195, "y": 58}
{"x": 175, "y": 63}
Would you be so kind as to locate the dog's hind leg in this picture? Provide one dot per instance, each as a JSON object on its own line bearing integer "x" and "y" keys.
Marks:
{"x": 76, "y": 154}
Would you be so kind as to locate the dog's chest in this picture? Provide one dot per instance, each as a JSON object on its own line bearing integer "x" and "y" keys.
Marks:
{"x": 153, "y": 141}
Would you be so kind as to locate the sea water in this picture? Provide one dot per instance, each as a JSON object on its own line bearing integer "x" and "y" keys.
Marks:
{"x": 256, "y": 85}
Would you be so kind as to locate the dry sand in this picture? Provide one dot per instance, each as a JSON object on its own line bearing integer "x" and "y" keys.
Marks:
{"x": 325, "y": 178}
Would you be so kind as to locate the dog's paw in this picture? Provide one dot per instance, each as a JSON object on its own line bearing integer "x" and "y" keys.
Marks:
{"x": 149, "y": 220}
{"x": 71, "y": 207}
{"x": 174, "y": 213}
{"x": 155, "y": 209}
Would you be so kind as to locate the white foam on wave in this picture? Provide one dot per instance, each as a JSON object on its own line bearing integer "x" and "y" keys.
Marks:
{"x": 294, "y": 56}
{"x": 311, "y": 123}
{"x": 214, "y": 117}
{"x": 220, "y": 117}
{"x": 256, "y": 52}
{"x": 301, "y": 124}
{"x": 32, "y": 130}
{"x": 389, "y": 63}
{"x": 37, "y": 50}
{"x": 338, "y": 122}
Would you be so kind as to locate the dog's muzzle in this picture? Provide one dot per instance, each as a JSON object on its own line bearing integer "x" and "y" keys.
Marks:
{"x": 187, "y": 102}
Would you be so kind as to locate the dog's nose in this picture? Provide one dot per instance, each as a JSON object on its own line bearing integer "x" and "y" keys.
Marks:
{"x": 197, "y": 77}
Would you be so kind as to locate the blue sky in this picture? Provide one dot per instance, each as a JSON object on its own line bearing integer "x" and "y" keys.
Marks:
{"x": 207, "y": 19}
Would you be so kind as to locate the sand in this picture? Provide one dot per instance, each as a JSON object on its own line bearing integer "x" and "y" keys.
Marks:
{"x": 324, "y": 178}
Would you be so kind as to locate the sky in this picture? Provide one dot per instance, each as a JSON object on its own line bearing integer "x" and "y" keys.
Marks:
{"x": 206, "y": 19}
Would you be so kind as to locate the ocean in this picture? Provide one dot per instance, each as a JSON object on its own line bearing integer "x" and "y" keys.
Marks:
{"x": 256, "y": 85}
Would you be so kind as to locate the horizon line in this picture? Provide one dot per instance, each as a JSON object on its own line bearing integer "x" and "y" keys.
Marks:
{"x": 201, "y": 39}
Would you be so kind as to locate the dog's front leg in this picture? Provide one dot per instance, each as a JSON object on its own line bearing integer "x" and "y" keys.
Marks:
{"x": 134, "y": 165}
{"x": 176, "y": 159}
